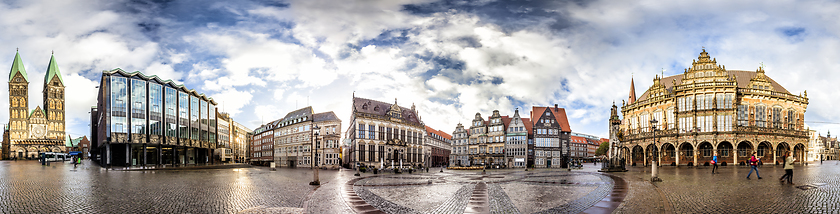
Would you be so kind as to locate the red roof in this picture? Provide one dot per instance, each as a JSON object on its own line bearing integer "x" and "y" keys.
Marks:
{"x": 528, "y": 125}
{"x": 559, "y": 116}
{"x": 576, "y": 139}
{"x": 506, "y": 121}
{"x": 438, "y": 132}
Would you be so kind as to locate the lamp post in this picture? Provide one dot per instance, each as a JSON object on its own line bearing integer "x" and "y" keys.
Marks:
{"x": 654, "y": 171}
{"x": 315, "y": 131}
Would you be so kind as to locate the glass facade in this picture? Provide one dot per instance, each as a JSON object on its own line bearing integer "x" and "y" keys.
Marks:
{"x": 155, "y": 109}
{"x": 211, "y": 112}
{"x": 194, "y": 112}
{"x": 139, "y": 110}
{"x": 183, "y": 116}
{"x": 171, "y": 100}
{"x": 119, "y": 93}
{"x": 138, "y": 106}
{"x": 204, "y": 113}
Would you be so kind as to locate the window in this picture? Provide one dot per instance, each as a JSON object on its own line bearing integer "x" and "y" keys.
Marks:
{"x": 777, "y": 117}
{"x": 743, "y": 115}
{"x": 371, "y": 132}
{"x": 361, "y": 131}
{"x": 700, "y": 101}
{"x": 706, "y": 149}
{"x": 760, "y": 116}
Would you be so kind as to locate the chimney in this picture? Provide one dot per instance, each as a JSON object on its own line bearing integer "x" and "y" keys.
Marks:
{"x": 555, "y": 108}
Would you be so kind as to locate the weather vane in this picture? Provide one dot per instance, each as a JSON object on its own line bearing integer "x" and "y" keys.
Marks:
{"x": 762, "y": 64}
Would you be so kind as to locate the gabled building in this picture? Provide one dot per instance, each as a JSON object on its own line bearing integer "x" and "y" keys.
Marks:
{"x": 551, "y": 136}
{"x": 460, "y": 143}
{"x": 33, "y": 131}
{"x": 385, "y": 135}
{"x": 684, "y": 119}
{"x": 518, "y": 136}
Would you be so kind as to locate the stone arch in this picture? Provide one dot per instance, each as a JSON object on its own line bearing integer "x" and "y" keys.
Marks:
{"x": 705, "y": 152}
{"x": 669, "y": 154}
{"x": 686, "y": 153}
{"x": 781, "y": 149}
{"x": 725, "y": 152}
{"x": 625, "y": 154}
{"x": 638, "y": 155}
{"x": 743, "y": 151}
{"x": 764, "y": 150}
{"x": 799, "y": 152}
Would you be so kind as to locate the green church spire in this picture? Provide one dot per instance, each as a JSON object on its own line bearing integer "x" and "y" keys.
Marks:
{"x": 52, "y": 71}
{"x": 17, "y": 66}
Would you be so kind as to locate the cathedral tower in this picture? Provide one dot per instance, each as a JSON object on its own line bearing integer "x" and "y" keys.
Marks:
{"x": 18, "y": 100}
{"x": 54, "y": 101}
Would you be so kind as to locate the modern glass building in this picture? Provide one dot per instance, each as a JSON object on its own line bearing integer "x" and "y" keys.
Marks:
{"x": 142, "y": 120}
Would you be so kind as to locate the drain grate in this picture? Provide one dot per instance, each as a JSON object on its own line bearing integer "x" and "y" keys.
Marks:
{"x": 810, "y": 186}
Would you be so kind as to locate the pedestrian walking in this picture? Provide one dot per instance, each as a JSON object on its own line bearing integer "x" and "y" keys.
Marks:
{"x": 788, "y": 165}
{"x": 714, "y": 163}
{"x": 753, "y": 166}
{"x": 75, "y": 162}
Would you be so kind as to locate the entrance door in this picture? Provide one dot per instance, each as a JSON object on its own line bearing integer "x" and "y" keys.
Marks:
{"x": 548, "y": 163}
{"x": 20, "y": 155}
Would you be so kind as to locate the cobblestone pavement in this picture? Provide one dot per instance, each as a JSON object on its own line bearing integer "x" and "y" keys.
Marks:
{"x": 816, "y": 189}
{"x": 29, "y": 187}
{"x": 497, "y": 191}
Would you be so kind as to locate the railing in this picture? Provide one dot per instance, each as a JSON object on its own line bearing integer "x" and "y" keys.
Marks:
{"x": 773, "y": 93}
{"x": 637, "y": 135}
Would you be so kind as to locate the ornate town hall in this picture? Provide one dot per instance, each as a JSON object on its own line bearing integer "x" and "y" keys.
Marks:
{"x": 31, "y": 131}
{"x": 683, "y": 119}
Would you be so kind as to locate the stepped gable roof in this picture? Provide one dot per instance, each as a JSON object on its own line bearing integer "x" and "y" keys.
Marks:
{"x": 159, "y": 80}
{"x": 52, "y": 70}
{"x": 439, "y": 133}
{"x": 17, "y": 66}
{"x": 325, "y": 116}
{"x": 559, "y": 116}
{"x": 742, "y": 77}
{"x": 374, "y": 107}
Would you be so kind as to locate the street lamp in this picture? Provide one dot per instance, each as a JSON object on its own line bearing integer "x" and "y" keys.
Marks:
{"x": 316, "y": 131}
{"x": 654, "y": 172}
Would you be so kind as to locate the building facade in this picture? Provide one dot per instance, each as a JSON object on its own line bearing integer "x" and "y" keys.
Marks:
{"x": 518, "y": 135}
{"x": 460, "y": 155}
{"x": 552, "y": 136}
{"x": 437, "y": 146}
{"x": 293, "y": 141}
{"x": 262, "y": 145}
{"x": 385, "y": 135}
{"x": 224, "y": 152}
{"x": 240, "y": 137}
{"x": 142, "y": 120}
{"x": 684, "y": 119}
{"x": 33, "y": 131}
{"x": 233, "y": 139}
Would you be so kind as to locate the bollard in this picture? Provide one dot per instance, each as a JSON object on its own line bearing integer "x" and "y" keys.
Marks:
{"x": 654, "y": 172}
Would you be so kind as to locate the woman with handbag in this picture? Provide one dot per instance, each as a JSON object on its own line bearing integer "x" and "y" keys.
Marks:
{"x": 789, "y": 167}
{"x": 714, "y": 163}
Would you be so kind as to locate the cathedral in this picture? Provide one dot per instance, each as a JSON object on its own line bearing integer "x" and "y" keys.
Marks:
{"x": 36, "y": 130}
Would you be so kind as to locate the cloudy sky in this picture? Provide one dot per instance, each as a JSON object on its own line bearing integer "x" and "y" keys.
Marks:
{"x": 260, "y": 59}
